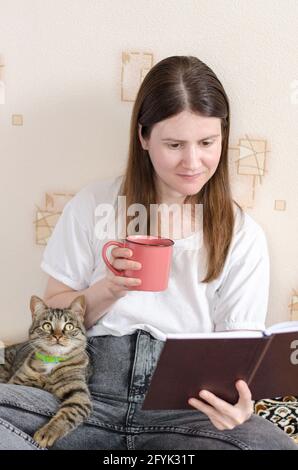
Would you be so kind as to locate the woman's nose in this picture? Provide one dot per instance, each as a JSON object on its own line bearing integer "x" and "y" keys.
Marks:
{"x": 192, "y": 157}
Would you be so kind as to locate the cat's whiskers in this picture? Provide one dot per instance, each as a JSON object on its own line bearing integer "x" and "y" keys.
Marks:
{"x": 26, "y": 348}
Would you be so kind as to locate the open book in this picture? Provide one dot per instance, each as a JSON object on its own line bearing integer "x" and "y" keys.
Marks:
{"x": 267, "y": 361}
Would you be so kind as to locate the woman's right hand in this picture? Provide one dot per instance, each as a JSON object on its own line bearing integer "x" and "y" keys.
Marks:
{"x": 120, "y": 285}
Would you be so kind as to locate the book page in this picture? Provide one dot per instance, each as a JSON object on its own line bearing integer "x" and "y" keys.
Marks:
{"x": 282, "y": 327}
{"x": 218, "y": 334}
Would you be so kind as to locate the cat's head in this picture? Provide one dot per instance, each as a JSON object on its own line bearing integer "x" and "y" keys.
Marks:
{"x": 57, "y": 331}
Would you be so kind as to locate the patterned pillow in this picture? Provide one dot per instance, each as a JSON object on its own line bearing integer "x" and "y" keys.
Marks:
{"x": 283, "y": 412}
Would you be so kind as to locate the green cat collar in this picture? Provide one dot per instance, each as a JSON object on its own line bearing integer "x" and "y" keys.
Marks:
{"x": 50, "y": 359}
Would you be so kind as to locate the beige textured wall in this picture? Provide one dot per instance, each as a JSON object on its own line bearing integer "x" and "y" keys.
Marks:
{"x": 64, "y": 66}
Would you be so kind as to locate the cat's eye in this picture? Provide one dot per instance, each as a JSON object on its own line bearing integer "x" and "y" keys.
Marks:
{"x": 68, "y": 327}
{"x": 47, "y": 326}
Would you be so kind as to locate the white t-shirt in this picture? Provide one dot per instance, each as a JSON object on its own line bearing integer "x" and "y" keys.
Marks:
{"x": 237, "y": 299}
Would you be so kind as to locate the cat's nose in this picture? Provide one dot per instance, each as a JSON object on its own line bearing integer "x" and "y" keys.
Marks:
{"x": 57, "y": 336}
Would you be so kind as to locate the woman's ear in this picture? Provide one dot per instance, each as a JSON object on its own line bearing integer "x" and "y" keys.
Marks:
{"x": 142, "y": 140}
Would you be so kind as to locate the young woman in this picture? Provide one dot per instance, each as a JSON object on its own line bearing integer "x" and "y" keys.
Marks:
{"x": 219, "y": 279}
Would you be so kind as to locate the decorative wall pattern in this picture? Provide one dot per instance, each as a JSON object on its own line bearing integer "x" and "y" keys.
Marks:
{"x": 135, "y": 65}
{"x": 294, "y": 306}
{"x": 280, "y": 205}
{"x": 17, "y": 119}
{"x": 248, "y": 159}
{"x": 47, "y": 217}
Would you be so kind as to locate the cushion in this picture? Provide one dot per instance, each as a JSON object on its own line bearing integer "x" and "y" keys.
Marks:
{"x": 283, "y": 412}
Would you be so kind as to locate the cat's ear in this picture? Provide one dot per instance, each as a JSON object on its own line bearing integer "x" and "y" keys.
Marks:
{"x": 78, "y": 306}
{"x": 37, "y": 305}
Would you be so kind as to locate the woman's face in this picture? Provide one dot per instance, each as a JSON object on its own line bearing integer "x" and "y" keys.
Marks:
{"x": 185, "y": 144}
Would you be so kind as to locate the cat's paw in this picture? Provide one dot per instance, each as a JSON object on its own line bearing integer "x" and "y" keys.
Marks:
{"x": 46, "y": 436}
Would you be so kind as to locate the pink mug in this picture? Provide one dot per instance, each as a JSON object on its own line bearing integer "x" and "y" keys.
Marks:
{"x": 154, "y": 254}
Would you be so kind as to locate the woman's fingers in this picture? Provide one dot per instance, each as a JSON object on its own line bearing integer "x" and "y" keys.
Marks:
{"x": 118, "y": 252}
{"x": 199, "y": 405}
{"x": 245, "y": 402}
{"x": 222, "y": 413}
{"x": 121, "y": 261}
{"x": 122, "y": 264}
{"x": 215, "y": 408}
{"x": 219, "y": 420}
{"x": 119, "y": 285}
{"x": 122, "y": 281}
{"x": 219, "y": 404}
{"x": 244, "y": 392}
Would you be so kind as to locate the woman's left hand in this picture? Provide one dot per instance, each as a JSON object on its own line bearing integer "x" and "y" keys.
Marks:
{"x": 221, "y": 413}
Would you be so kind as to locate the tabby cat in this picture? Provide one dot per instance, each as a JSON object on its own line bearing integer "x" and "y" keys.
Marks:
{"x": 56, "y": 360}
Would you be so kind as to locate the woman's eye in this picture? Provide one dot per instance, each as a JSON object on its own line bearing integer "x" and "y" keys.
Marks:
{"x": 207, "y": 143}
{"x": 173, "y": 146}
{"x": 68, "y": 327}
{"x": 47, "y": 326}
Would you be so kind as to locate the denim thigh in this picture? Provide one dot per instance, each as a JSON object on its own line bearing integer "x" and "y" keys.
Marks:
{"x": 123, "y": 368}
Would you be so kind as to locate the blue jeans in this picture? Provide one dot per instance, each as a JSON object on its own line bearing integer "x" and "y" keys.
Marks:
{"x": 122, "y": 369}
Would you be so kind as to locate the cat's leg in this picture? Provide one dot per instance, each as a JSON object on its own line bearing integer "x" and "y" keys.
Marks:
{"x": 75, "y": 408}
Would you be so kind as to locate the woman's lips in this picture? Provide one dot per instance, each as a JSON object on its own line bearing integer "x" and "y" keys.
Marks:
{"x": 190, "y": 177}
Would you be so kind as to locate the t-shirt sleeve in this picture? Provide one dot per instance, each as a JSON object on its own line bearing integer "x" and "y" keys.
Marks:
{"x": 242, "y": 300}
{"x": 68, "y": 256}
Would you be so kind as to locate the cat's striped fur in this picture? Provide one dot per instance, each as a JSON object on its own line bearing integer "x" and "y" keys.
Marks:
{"x": 54, "y": 332}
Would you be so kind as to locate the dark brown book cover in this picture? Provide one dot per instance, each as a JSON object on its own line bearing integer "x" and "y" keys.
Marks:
{"x": 277, "y": 374}
{"x": 269, "y": 364}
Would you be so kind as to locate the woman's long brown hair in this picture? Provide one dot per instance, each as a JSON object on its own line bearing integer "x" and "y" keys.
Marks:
{"x": 173, "y": 85}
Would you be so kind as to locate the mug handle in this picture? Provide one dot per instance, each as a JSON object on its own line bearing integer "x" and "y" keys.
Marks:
{"x": 103, "y": 252}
